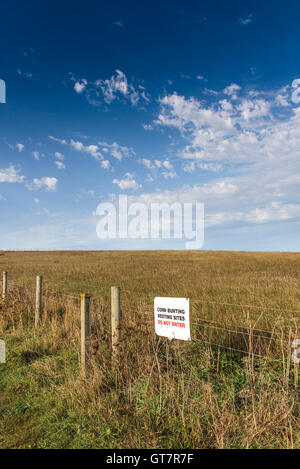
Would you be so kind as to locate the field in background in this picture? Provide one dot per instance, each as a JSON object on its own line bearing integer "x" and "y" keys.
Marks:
{"x": 256, "y": 278}
{"x": 164, "y": 394}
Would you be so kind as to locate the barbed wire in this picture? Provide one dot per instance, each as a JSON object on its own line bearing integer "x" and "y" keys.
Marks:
{"x": 207, "y": 323}
{"x": 240, "y": 332}
{"x": 146, "y": 306}
{"x": 193, "y": 300}
{"x": 241, "y": 305}
{"x": 237, "y": 350}
{"x": 46, "y": 290}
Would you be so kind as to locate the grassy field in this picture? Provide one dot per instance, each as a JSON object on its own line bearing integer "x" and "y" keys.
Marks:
{"x": 163, "y": 394}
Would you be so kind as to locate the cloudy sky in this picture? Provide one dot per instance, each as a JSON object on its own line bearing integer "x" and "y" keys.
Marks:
{"x": 161, "y": 101}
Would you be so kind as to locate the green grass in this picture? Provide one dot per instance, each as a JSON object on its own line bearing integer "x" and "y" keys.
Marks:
{"x": 163, "y": 394}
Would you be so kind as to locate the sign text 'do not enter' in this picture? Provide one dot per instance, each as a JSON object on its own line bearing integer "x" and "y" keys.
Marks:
{"x": 172, "y": 317}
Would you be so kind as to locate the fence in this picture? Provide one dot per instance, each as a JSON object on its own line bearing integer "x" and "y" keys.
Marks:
{"x": 274, "y": 345}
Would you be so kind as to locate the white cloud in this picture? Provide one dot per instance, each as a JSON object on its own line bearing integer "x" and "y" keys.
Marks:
{"x": 45, "y": 184}
{"x": 231, "y": 90}
{"x": 79, "y": 146}
{"x": 185, "y": 76}
{"x": 146, "y": 163}
{"x": 90, "y": 193}
{"x": 156, "y": 165}
{"x": 166, "y": 164}
{"x": 225, "y": 105}
{"x": 209, "y": 166}
{"x": 118, "y": 23}
{"x": 114, "y": 88}
{"x": 92, "y": 150}
{"x": 259, "y": 150}
{"x": 254, "y": 109}
{"x": 179, "y": 112}
{"x": 220, "y": 131}
{"x": 20, "y": 147}
{"x": 265, "y": 213}
{"x": 209, "y": 91}
{"x": 105, "y": 164}
{"x": 96, "y": 150}
{"x": 60, "y": 165}
{"x": 116, "y": 150}
{"x": 191, "y": 167}
{"x": 169, "y": 174}
{"x": 115, "y": 85}
{"x": 36, "y": 200}
{"x": 219, "y": 188}
{"x": 272, "y": 212}
{"x": 60, "y": 140}
{"x": 247, "y": 20}
{"x": 28, "y": 75}
{"x": 59, "y": 155}
{"x": 282, "y": 98}
{"x": 11, "y": 175}
{"x": 80, "y": 85}
{"x": 37, "y": 155}
{"x": 127, "y": 183}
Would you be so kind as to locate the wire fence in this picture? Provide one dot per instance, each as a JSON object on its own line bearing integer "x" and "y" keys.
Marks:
{"x": 274, "y": 344}
{"x": 147, "y": 308}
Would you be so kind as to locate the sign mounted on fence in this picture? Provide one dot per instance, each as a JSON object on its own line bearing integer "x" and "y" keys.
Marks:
{"x": 172, "y": 317}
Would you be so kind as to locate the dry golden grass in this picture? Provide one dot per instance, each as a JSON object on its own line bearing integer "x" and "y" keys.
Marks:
{"x": 256, "y": 278}
{"x": 163, "y": 394}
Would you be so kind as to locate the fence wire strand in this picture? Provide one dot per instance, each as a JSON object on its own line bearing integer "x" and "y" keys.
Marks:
{"x": 237, "y": 350}
{"x": 148, "y": 320}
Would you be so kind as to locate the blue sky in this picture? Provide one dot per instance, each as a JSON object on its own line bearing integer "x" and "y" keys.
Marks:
{"x": 162, "y": 101}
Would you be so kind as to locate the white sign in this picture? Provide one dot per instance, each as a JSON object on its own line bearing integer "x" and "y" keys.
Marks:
{"x": 172, "y": 317}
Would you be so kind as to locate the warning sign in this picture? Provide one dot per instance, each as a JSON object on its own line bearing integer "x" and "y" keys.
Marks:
{"x": 172, "y": 317}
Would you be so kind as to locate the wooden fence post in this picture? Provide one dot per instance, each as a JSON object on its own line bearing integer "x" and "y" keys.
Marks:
{"x": 115, "y": 322}
{"x": 85, "y": 330}
{"x": 296, "y": 375}
{"x": 38, "y": 300}
{"x": 4, "y": 285}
